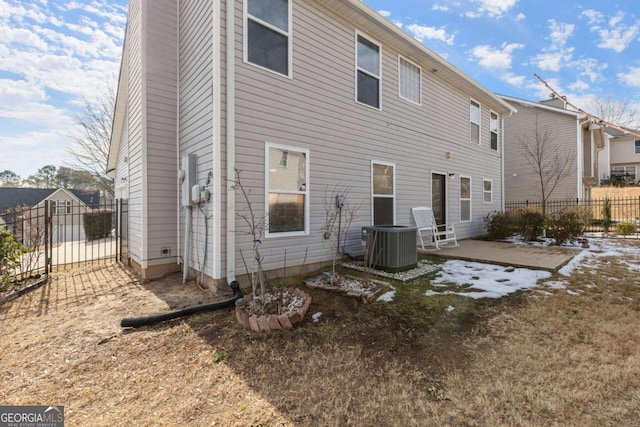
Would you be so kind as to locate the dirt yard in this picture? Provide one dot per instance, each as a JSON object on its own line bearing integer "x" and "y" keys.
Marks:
{"x": 567, "y": 356}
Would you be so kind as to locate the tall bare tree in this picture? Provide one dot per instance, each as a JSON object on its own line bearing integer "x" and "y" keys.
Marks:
{"x": 615, "y": 112}
{"x": 551, "y": 162}
{"x": 9, "y": 179}
{"x": 92, "y": 136}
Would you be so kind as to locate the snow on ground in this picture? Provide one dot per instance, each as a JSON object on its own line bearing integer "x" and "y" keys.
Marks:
{"x": 388, "y": 296}
{"x": 479, "y": 280}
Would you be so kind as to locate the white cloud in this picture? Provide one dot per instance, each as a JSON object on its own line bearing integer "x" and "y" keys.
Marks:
{"x": 591, "y": 68}
{"x": 440, "y": 8}
{"x": 593, "y": 16}
{"x": 422, "y": 32}
{"x": 579, "y": 86}
{"x": 489, "y": 57}
{"x": 616, "y": 19}
{"x": 495, "y": 8}
{"x": 619, "y": 38}
{"x": 520, "y": 16}
{"x": 52, "y": 56}
{"x": 560, "y": 33}
{"x": 384, "y": 13}
{"x": 632, "y": 78}
{"x": 553, "y": 61}
{"x": 514, "y": 80}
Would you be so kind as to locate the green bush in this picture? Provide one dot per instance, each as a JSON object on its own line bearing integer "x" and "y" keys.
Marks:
{"x": 606, "y": 214}
{"x": 530, "y": 223}
{"x": 97, "y": 224}
{"x": 568, "y": 224}
{"x": 499, "y": 225}
{"x": 626, "y": 228}
{"x": 10, "y": 252}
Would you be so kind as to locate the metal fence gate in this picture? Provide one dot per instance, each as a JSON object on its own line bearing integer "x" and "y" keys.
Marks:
{"x": 61, "y": 234}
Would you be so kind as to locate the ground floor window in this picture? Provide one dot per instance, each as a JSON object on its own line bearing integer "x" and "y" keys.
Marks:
{"x": 465, "y": 198}
{"x": 287, "y": 185}
{"x": 487, "y": 191}
{"x": 383, "y": 193}
{"x": 623, "y": 174}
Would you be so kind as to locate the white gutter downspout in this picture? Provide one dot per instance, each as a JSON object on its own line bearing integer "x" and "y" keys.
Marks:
{"x": 580, "y": 157}
{"x": 231, "y": 139}
{"x": 502, "y": 195}
{"x": 178, "y": 186}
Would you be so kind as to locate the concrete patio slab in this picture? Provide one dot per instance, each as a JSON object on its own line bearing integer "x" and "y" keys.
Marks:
{"x": 513, "y": 254}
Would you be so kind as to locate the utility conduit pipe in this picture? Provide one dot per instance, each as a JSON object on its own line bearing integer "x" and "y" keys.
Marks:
{"x": 135, "y": 322}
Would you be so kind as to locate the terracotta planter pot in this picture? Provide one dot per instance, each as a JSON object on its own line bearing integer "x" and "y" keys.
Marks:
{"x": 269, "y": 322}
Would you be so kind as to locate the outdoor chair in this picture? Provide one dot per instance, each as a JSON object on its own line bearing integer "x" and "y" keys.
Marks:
{"x": 433, "y": 236}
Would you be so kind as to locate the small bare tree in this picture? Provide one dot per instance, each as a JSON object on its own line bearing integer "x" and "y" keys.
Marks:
{"x": 336, "y": 206}
{"x": 92, "y": 138}
{"x": 256, "y": 224}
{"x": 550, "y": 161}
{"x": 612, "y": 111}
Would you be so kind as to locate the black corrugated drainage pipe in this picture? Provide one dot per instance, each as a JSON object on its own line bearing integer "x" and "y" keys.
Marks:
{"x": 135, "y": 322}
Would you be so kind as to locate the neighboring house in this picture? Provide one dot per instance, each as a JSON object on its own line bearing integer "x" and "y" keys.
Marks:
{"x": 303, "y": 97}
{"x": 619, "y": 162}
{"x": 565, "y": 132}
{"x": 24, "y": 211}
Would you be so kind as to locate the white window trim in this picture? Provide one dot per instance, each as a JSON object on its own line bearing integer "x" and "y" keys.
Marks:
{"x": 635, "y": 149}
{"x": 307, "y": 191}
{"x": 393, "y": 196}
{"x": 491, "y": 131}
{"x": 400, "y": 57}
{"x": 356, "y": 69}
{"x": 484, "y": 191}
{"x": 470, "y": 199}
{"x": 289, "y": 35}
{"x": 479, "y": 122}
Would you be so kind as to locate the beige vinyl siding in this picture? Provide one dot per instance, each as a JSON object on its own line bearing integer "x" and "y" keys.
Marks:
{"x": 121, "y": 179}
{"x": 161, "y": 99}
{"x": 564, "y": 130}
{"x": 196, "y": 115}
{"x": 134, "y": 129}
{"x": 622, "y": 152}
{"x": 316, "y": 110}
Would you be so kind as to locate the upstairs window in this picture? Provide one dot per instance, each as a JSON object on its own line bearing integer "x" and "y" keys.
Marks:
{"x": 368, "y": 72}
{"x": 287, "y": 182}
{"x": 409, "y": 81}
{"x": 493, "y": 127}
{"x": 637, "y": 146}
{"x": 268, "y": 34}
{"x": 474, "y": 118}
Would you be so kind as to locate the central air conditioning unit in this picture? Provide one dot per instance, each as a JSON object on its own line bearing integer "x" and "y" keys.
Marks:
{"x": 390, "y": 248}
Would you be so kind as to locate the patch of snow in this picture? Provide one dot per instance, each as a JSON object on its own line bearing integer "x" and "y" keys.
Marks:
{"x": 450, "y": 308}
{"x": 570, "y": 292}
{"x": 388, "y": 296}
{"x": 486, "y": 280}
{"x": 599, "y": 248}
{"x": 555, "y": 284}
{"x": 316, "y": 317}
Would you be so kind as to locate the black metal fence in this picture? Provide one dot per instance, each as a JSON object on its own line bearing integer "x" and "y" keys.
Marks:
{"x": 623, "y": 209}
{"x": 66, "y": 233}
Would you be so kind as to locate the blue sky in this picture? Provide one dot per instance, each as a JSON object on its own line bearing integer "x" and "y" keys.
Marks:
{"x": 55, "y": 53}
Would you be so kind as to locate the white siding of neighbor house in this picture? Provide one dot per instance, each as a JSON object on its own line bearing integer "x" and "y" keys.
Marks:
{"x": 622, "y": 153}
{"x": 316, "y": 110}
{"x": 520, "y": 178}
{"x": 196, "y": 126}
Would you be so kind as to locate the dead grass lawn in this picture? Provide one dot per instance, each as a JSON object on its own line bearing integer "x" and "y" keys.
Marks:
{"x": 527, "y": 360}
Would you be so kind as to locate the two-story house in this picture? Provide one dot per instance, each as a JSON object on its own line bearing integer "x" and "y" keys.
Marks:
{"x": 544, "y": 141}
{"x": 301, "y": 96}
